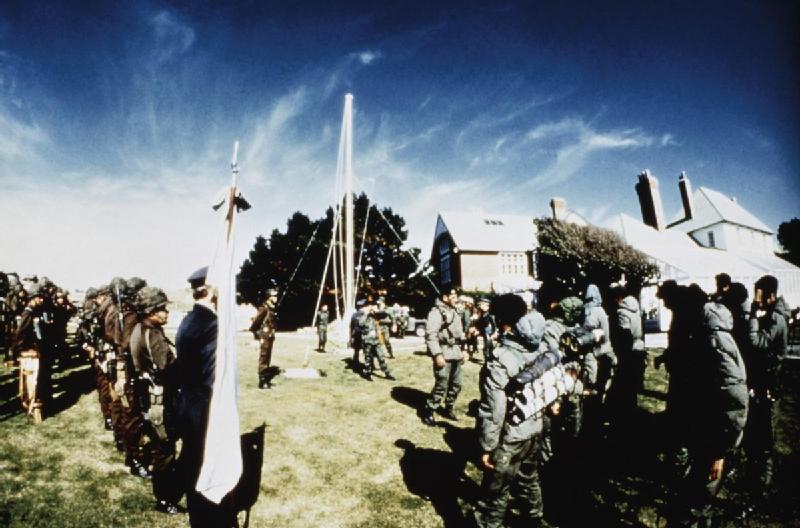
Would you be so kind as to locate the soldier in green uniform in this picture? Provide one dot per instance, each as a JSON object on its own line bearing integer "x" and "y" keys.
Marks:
{"x": 154, "y": 363}
{"x": 264, "y": 325}
{"x": 443, "y": 335}
{"x": 512, "y": 453}
{"x": 369, "y": 330}
{"x": 385, "y": 322}
{"x": 322, "y": 327}
{"x": 120, "y": 319}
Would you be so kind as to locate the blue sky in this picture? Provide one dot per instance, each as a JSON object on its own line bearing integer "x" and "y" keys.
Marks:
{"x": 117, "y": 119}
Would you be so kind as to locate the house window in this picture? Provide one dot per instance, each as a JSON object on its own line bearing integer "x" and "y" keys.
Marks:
{"x": 515, "y": 263}
{"x": 711, "y": 239}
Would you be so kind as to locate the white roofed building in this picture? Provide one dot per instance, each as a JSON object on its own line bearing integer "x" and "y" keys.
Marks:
{"x": 713, "y": 234}
{"x": 477, "y": 251}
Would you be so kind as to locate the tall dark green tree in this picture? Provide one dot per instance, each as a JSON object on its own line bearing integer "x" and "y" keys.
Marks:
{"x": 789, "y": 238}
{"x": 572, "y": 256}
{"x": 386, "y": 269}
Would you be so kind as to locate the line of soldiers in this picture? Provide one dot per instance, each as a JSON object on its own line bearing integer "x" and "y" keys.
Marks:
{"x": 722, "y": 353}
{"x": 34, "y": 313}
{"x": 757, "y": 332}
{"x": 121, "y": 329}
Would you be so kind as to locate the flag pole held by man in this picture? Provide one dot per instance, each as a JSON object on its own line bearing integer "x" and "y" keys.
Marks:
{"x": 206, "y": 343}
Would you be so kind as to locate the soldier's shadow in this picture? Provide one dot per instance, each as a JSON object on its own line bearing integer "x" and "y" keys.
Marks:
{"x": 245, "y": 494}
{"x": 409, "y": 396}
{"x": 438, "y": 476}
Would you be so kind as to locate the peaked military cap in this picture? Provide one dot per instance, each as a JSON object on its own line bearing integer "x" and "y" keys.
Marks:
{"x": 198, "y": 278}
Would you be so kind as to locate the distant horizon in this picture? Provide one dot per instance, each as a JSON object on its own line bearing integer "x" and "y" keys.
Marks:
{"x": 116, "y": 129}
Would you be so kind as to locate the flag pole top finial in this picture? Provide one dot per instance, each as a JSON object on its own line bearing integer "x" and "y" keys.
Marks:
{"x": 235, "y": 157}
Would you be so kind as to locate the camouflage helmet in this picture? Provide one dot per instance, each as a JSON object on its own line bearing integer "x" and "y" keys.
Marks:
{"x": 34, "y": 289}
{"x": 571, "y": 308}
{"x": 133, "y": 285}
{"x": 91, "y": 293}
{"x": 149, "y": 299}
{"x": 117, "y": 286}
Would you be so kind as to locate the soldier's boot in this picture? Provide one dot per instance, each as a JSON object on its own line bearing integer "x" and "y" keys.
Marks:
{"x": 427, "y": 417}
{"x": 264, "y": 383}
{"x": 138, "y": 469}
{"x": 390, "y": 377}
{"x": 167, "y": 507}
{"x": 448, "y": 413}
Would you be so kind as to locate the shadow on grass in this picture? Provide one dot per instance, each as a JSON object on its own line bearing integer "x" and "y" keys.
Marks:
{"x": 438, "y": 477}
{"x": 409, "y": 397}
{"x": 71, "y": 377}
{"x": 247, "y": 489}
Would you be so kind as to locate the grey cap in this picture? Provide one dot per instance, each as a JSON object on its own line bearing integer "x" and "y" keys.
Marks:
{"x": 198, "y": 278}
{"x": 149, "y": 299}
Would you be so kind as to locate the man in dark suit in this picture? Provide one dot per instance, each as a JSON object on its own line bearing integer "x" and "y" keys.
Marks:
{"x": 196, "y": 346}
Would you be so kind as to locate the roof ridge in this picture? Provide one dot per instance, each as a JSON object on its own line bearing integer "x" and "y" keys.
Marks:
{"x": 703, "y": 190}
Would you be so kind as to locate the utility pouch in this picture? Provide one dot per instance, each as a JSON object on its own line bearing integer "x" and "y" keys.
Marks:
{"x": 141, "y": 390}
{"x": 111, "y": 370}
{"x": 156, "y": 413}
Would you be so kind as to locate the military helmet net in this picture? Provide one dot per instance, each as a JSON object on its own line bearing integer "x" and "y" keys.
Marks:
{"x": 149, "y": 299}
{"x": 133, "y": 285}
{"x": 571, "y": 308}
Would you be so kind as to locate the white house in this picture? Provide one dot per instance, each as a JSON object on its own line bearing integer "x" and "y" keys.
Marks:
{"x": 713, "y": 234}
{"x": 484, "y": 252}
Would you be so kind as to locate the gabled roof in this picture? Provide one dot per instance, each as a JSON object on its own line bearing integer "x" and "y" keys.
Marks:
{"x": 678, "y": 251}
{"x": 712, "y": 207}
{"x": 478, "y": 231}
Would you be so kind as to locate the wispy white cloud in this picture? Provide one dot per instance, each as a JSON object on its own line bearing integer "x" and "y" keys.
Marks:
{"x": 576, "y": 142}
{"x": 172, "y": 36}
{"x": 367, "y": 57}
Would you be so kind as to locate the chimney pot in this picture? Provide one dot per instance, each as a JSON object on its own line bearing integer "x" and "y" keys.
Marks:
{"x": 687, "y": 198}
{"x": 559, "y": 208}
{"x": 650, "y": 200}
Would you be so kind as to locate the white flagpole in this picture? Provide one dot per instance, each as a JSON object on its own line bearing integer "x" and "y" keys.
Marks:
{"x": 347, "y": 132}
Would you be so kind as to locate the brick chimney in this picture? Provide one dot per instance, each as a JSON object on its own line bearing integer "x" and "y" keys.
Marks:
{"x": 650, "y": 200}
{"x": 686, "y": 196}
{"x": 559, "y": 207}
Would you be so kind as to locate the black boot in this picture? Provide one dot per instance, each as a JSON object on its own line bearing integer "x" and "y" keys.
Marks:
{"x": 107, "y": 424}
{"x": 427, "y": 417}
{"x": 167, "y": 507}
{"x": 449, "y": 414}
{"x": 263, "y": 383}
{"x": 138, "y": 469}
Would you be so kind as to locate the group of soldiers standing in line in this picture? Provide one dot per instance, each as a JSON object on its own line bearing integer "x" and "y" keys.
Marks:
{"x": 151, "y": 392}
{"x": 723, "y": 359}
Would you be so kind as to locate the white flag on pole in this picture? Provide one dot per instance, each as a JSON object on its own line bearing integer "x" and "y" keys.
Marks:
{"x": 222, "y": 458}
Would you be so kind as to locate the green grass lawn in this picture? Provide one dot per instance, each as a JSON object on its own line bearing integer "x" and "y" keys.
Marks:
{"x": 339, "y": 452}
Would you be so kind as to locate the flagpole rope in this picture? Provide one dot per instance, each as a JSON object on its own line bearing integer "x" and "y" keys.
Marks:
{"x": 361, "y": 251}
{"x": 297, "y": 267}
{"x": 415, "y": 259}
